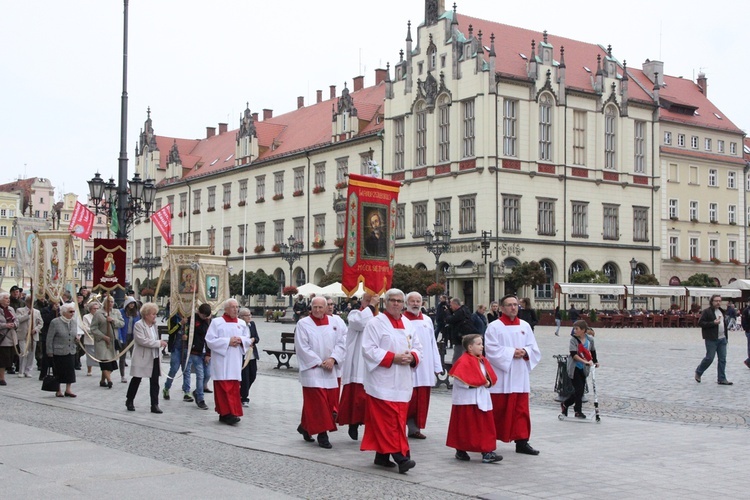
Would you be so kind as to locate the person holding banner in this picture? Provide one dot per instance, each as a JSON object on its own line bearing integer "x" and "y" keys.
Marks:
{"x": 197, "y": 355}
{"x": 27, "y": 339}
{"x": 391, "y": 349}
{"x": 228, "y": 339}
{"x": 61, "y": 347}
{"x": 104, "y": 327}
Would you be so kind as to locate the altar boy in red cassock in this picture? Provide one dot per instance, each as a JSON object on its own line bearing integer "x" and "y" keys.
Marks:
{"x": 472, "y": 425}
{"x": 511, "y": 348}
{"x": 390, "y": 349}
{"x": 320, "y": 344}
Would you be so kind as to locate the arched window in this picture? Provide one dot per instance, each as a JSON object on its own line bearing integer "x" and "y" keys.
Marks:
{"x": 545, "y": 127}
{"x": 300, "y": 277}
{"x": 610, "y": 137}
{"x": 610, "y": 271}
{"x": 545, "y": 291}
{"x": 576, "y": 267}
{"x": 281, "y": 280}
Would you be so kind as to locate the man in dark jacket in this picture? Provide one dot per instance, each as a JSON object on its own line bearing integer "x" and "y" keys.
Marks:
{"x": 441, "y": 312}
{"x": 713, "y": 323}
{"x": 460, "y": 324}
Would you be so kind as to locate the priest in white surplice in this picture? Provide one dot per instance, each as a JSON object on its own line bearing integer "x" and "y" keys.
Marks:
{"x": 391, "y": 349}
{"x": 228, "y": 339}
{"x": 353, "y": 397}
{"x": 511, "y": 348}
{"x": 320, "y": 344}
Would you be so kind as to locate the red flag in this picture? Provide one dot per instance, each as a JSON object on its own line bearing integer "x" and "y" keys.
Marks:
{"x": 369, "y": 250}
{"x": 162, "y": 219}
{"x": 82, "y": 222}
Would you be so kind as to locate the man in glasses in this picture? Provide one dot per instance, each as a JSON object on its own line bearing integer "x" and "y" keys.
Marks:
{"x": 512, "y": 350}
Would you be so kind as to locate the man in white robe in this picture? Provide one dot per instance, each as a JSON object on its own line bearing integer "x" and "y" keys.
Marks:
{"x": 353, "y": 397}
{"x": 320, "y": 344}
{"x": 511, "y": 348}
{"x": 390, "y": 348}
{"x": 430, "y": 366}
{"x": 228, "y": 339}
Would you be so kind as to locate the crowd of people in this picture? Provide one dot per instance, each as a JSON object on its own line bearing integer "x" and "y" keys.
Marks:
{"x": 375, "y": 370}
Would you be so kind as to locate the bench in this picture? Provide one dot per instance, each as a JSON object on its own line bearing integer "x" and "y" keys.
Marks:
{"x": 443, "y": 378}
{"x": 283, "y": 355}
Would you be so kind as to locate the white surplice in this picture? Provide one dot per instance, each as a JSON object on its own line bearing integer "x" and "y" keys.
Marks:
{"x": 314, "y": 344}
{"x": 226, "y": 362}
{"x": 500, "y": 343}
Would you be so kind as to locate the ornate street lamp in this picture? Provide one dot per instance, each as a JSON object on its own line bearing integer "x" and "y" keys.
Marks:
{"x": 437, "y": 243}
{"x": 85, "y": 267}
{"x": 139, "y": 200}
{"x": 633, "y": 267}
{"x": 291, "y": 253}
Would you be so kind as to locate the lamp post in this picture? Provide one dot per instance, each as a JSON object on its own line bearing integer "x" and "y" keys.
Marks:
{"x": 291, "y": 253}
{"x": 149, "y": 262}
{"x": 85, "y": 266}
{"x": 437, "y": 243}
{"x": 633, "y": 267}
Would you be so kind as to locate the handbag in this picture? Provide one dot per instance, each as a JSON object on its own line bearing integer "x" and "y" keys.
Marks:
{"x": 50, "y": 383}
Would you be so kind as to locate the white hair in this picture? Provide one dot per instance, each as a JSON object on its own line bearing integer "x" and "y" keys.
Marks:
{"x": 393, "y": 292}
{"x": 414, "y": 294}
{"x": 67, "y": 306}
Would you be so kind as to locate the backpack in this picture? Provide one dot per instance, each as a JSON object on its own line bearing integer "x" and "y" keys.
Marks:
{"x": 746, "y": 319}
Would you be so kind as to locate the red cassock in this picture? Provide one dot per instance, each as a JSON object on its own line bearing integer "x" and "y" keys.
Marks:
{"x": 390, "y": 416}
{"x": 353, "y": 404}
{"x": 471, "y": 429}
{"x": 227, "y": 397}
{"x": 418, "y": 405}
{"x": 317, "y": 410}
{"x": 512, "y": 418}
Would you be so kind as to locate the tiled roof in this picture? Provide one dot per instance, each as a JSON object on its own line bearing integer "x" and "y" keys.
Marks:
{"x": 303, "y": 128}
{"x": 511, "y": 41}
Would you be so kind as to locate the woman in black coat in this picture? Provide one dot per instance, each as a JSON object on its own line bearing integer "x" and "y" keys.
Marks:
{"x": 61, "y": 347}
{"x": 527, "y": 313}
{"x": 251, "y": 370}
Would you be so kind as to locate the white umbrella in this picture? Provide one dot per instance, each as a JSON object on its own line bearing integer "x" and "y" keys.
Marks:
{"x": 334, "y": 290}
{"x": 308, "y": 289}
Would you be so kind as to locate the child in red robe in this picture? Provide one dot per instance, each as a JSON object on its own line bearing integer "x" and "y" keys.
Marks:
{"x": 472, "y": 425}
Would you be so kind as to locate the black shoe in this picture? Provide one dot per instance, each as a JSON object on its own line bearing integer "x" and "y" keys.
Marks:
{"x": 305, "y": 435}
{"x": 404, "y": 466}
{"x": 229, "y": 419}
{"x": 207, "y": 391}
{"x": 462, "y": 455}
{"x": 109, "y": 384}
{"x": 491, "y": 457}
{"x": 202, "y": 405}
{"x": 156, "y": 409}
{"x": 580, "y": 414}
{"x": 353, "y": 431}
{"x": 383, "y": 461}
{"x": 10, "y": 371}
{"x": 323, "y": 441}
{"x": 697, "y": 377}
{"x": 725, "y": 382}
{"x": 525, "y": 448}
{"x": 102, "y": 383}
{"x": 563, "y": 409}
{"x": 129, "y": 405}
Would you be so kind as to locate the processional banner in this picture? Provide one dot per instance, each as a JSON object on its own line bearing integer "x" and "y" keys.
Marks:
{"x": 110, "y": 257}
{"x": 370, "y": 243}
{"x": 196, "y": 277}
{"x": 53, "y": 263}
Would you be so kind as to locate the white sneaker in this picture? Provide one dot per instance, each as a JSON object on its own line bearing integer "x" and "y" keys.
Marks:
{"x": 124, "y": 380}
{"x": 20, "y": 375}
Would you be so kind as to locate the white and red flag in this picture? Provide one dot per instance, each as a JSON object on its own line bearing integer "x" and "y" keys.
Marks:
{"x": 82, "y": 222}
{"x": 162, "y": 219}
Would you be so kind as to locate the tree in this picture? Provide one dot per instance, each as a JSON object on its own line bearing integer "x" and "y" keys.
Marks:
{"x": 526, "y": 274}
{"x": 589, "y": 276}
{"x": 329, "y": 278}
{"x": 699, "y": 279}
{"x": 235, "y": 284}
{"x": 262, "y": 284}
{"x": 646, "y": 279}
{"x": 410, "y": 279}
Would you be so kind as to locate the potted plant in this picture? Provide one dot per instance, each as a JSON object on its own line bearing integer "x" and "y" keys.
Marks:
{"x": 240, "y": 249}
{"x": 278, "y": 197}
{"x": 676, "y": 258}
{"x": 260, "y": 200}
{"x": 696, "y": 259}
{"x": 715, "y": 260}
{"x": 341, "y": 185}
{"x": 259, "y": 249}
{"x": 319, "y": 189}
{"x": 226, "y": 252}
{"x": 276, "y": 248}
{"x": 181, "y": 214}
{"x": 136, "y": 260}
{"x": 289, "y": 290}
{"x": 319, "y": 243}
{"x": 298, "y": 192}
{"x": 196, "y": 211}
{"x": 339, "y": 242}
{"x": 736, "y": 262}
{"x": 210, "y": 209}
{"x": 435, "y": 289}
{"x": 241, "y": 203}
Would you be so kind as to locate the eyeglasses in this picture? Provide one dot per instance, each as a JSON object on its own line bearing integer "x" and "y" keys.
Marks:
{"x": 396, "y": 301}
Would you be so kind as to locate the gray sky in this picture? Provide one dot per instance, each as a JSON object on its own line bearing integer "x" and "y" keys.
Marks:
{"x": 196, "y": 63}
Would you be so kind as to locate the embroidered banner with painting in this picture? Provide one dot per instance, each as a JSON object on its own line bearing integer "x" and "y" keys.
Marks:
{"x": 109, "y": 264}
{"x": 53, "y": 263}
{"x": 194, "y": 272}
{"x": 370, "y": 244}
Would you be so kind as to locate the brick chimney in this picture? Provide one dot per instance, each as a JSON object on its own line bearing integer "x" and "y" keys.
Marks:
{"x": 379, "y": 75}
{"x": 300, "y": 102}
{"x": 333, "y": 91}
{"x": 359, "y": 83}
{"x": 222, "y": 128}
{"x": 319, "y": 96}
{"x": 255, "y": 117}
{"x": 267, "y": 114}
{"x": 703, "y": 83}
{"x": 210, "y": 132}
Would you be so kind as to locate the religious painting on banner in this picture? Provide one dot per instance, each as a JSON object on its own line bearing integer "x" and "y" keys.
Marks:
{"x": 370, "y": 243}
{"x": 197, "y": 277}
{"x": 53, "y": 263}
{"x": 109, "y": 264}
{"x": 26, "y": 242}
